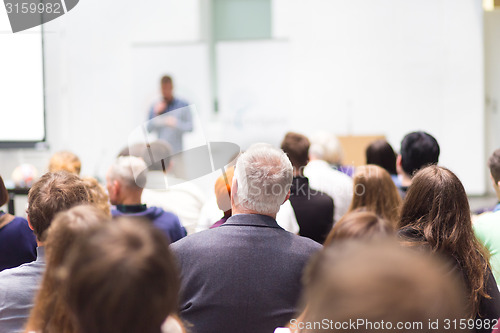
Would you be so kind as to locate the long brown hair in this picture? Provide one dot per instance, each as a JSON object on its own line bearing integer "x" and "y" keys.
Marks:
{"x": 375, "y": 190}
{"x": 436, "y": 214}
{"x": 50, "y": 313}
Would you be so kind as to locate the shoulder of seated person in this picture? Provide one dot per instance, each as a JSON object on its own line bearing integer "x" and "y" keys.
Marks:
{"x": 486, "y": 216}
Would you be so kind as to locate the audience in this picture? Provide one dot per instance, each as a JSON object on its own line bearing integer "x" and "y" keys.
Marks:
{"x": 418, "y": 149}
{"x": 162, "y": 189}
{"x": 313, "y": 209}
{"x": 69, "y": 268}
{"x": 324, "y": 178}
{"x": 65, "y": 161}
{"x": 121, "y": 279}
{"x": 50, "y": 313}
{"x": 359, "y": 223}
{"x": 125, "y": 181}
{"x": 374, "y": 286}
{"x": 244, "y": 276}
{"x": 375, "y": 190}
{"x": 487, "y": 225}
{"x": 380, "y": 153}
{"x": 52, "y": 193}
{"x": 17, "y": 241}
{"x": 435, "y": 216}
{"x": 223, "y": 195}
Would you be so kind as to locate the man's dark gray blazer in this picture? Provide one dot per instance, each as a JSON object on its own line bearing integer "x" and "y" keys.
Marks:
{"x": 244, "y": 276}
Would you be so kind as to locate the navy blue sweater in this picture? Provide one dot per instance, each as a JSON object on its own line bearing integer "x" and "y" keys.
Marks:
{"x": 17, "y": 243}
{"x": 167, "y": 222}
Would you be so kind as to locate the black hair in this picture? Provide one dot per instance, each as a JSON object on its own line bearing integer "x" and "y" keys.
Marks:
{"x": 418, "y": 149}
{"x": 380, "y": 153}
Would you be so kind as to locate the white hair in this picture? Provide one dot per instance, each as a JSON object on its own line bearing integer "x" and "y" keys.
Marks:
{"x": 129, "y": 170}
{"x": 327, "y": 147}
{"x": 264, "y": 176}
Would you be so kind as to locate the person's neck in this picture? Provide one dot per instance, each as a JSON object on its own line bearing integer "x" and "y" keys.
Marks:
{"x": 237, "y": 210}
{"x": 497, "y": 190}
{"x": 169, "y": 100}
{"x": 298, "y": 172}
{"x": 405, "y": 180}
{"x": 132, "y": 199}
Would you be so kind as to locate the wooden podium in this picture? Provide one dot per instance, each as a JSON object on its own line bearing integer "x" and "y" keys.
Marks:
{"x": 354, "y": 147}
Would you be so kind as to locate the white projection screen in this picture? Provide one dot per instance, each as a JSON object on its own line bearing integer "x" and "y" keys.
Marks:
{"x": 22, "y": 114}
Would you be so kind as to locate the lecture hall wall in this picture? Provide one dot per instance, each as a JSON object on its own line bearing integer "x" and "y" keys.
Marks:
{"x": 354, "y": 67}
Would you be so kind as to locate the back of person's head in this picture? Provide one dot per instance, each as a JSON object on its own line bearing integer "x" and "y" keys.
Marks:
{"x": 50, "y": 313}
{"x": 128, "y": 171}
{"x": 98, "y": 195}
{"x": 380, "y": 153}
{"x": 67, "y": 226}
{"x": 377, "y": 285}
{"x": 325, "y": 146}
{"x": 360, "y": 223}
{"x": 157, "y": 155}
{"x": 494, "y": 165}
{"x": 122, "y": 278}
{"x": 4, "y": 194}
{"x": 54, "y": 192}
{"x": 418, "y": 149}
{"x": 436, "y": 214}
{"x": 296, "y": 146}
{"x": 375, "y": 190}
{"x": 263, "y": 176}
{"x": 223, "y": 189}
{"x": 65, "y": 161}
{"x": 436, "y": 204}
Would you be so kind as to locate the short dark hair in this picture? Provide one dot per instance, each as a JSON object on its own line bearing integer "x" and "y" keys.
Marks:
{"x": 166, "y": 79}
{"x": 4, "y": 194}
{"x": 494, "y": 165}
{"x": 121, "y": 278}
{"x": 380, "y": 153}
{"x": 418, "y": 149}
{"x": 54, "y": 192}
{"x": 296, "y": 146}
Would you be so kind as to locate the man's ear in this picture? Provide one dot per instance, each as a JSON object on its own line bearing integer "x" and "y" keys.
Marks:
{"x": 399, "y": 161}
{"x": 234, "y": 190}
{"x": 287, "y": 197}
{"x": 29, "y": 222}
{"x": 116, "y": 187}
{"x": 399, "y": 165}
